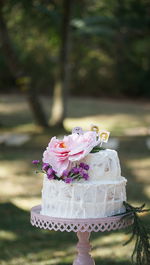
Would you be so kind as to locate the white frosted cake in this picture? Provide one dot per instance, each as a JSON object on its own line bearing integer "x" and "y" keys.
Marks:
{"x": 81, "y": 180}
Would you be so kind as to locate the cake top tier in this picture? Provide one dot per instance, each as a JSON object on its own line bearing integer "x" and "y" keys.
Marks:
{"x": 104, "y": 165}
{"x": 80, "y": 156}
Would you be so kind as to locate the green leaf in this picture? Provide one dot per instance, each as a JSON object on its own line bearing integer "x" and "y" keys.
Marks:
{"x": 141, "y": 234}
{"x": 97, "y": 149}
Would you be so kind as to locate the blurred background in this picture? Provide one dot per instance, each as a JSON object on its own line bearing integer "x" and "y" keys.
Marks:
{"x": 66, "y": 63}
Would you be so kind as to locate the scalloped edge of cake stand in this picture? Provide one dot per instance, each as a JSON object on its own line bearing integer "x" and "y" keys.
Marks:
{"x": 83, "y": 225}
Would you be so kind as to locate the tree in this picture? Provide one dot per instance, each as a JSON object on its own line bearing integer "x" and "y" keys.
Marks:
{"x": 59, "y": 108}
{"x": 22, "y": 78}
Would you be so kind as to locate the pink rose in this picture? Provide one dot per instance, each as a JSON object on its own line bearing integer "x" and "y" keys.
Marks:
{"x": 60, "y": 154}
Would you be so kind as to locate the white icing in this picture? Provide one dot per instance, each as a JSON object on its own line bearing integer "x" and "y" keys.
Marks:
{"x": 104, "y": 165}
{"x": 83, "y": 200}
{"x": 101, "y": 196}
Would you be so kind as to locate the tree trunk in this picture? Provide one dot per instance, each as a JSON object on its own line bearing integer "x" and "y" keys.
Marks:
{"x": 61, "y": 88}
{"x": 22, "y": 79}
{"x": 120, "y": 48}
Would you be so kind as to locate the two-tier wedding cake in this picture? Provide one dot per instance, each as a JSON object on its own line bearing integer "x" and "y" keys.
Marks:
{"x": 82, "y": 179}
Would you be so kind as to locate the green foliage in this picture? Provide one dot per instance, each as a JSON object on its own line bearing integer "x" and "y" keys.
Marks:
{"x": 141, "y": 233}
{"x": 110, "y": 45}
{"x": 97, "y": 149}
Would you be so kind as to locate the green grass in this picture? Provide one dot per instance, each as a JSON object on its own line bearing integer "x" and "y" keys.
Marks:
{"x": 20, "y": 187}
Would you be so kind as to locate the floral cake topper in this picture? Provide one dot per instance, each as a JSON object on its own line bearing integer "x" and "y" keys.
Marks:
{"x": 62, "y": 159}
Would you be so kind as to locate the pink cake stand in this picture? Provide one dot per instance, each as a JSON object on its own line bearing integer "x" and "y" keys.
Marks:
{"x": 83, "y": 228}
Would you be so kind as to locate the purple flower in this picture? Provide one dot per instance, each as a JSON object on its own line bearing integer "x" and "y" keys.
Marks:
{"x": 66, "y": 173}
{"x": 75, "y": 170}
{"x": 50, "y": 177}
{"x": 68, "y": 180}
{"x": 84, "y": 166}
{"x": 81, "y": 171}
{"x": 45, "y": 166}
{"x": 81, "y": 165}
{"x": 50, "y": 173}
{"x": 35, "y": 162}
{"x": 85, "y": 176}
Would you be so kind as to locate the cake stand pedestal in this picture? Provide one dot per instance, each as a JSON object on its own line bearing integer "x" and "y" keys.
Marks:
{"x": 83, "y": 228}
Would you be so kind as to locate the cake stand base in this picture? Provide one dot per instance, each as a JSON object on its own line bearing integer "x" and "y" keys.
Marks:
{"x": 83, "y": 228}
{"x": 83, "y": 248}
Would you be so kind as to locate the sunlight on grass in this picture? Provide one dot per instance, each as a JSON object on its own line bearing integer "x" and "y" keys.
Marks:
{"x": 140, "y": 168}
{"x": 11, "y": 107}
{"x": 112, "y": 244}
{"x": 46, "y": 257}
{"x": 33, "y": 261}
{"x": 106, "y": 240}
{"x": 5, "y": 235}
{"x": 10, "y": 168}
{"x": 120, "y": 117}
{"x": 144, "y": 162}
{"x": 147, "y": 191}
{"x": 26, "y": 203}
{"x": 17, "y": 180}
{"x": 28, "y": 128}
{"x": 112, "y": 123}
{"x": 103, "y": 247}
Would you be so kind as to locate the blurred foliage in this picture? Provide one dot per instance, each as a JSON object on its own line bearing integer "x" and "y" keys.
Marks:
{"x": 110, "y": 45}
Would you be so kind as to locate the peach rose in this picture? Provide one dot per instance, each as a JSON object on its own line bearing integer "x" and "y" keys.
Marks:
{"x": 60, "y": 154}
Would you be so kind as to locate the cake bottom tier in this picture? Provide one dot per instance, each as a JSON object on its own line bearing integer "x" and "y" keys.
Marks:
{"x": 83, "y": 200}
